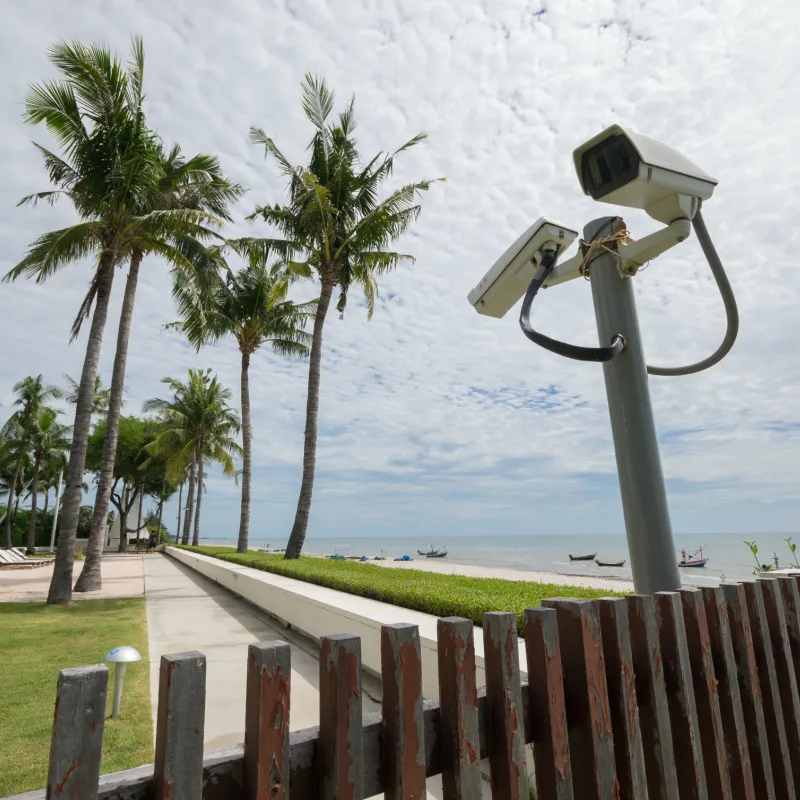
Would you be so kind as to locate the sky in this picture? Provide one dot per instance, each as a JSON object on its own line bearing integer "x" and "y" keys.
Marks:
{"x": 434, "y": 419}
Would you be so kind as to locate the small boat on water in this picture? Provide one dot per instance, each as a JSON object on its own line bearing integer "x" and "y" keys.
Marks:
{"x": 438, "y": 554}
{"x": 691, "y": 559}
{"x": 609, "y": 563}
{"x": 588, "y": 557}
{"x": 432, "y": 553}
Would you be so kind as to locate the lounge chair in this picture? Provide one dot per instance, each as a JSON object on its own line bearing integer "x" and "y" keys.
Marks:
{"x": 15, "y": 558}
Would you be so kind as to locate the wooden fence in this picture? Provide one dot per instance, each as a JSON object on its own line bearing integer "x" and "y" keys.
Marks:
{"x": 676, "y": 695}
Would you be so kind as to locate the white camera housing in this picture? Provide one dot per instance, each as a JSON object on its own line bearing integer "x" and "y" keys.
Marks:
{"x": 506, "y": 282}
{"x": 623, "y": 167}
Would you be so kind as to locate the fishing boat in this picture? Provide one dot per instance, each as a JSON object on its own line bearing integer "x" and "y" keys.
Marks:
{"x": 437, "y": 554}
{"x": 609, "y": 563}
{"x": 691, "y": 559}
{"x": 588, "y": 557}
{"x": 428, "y": 553}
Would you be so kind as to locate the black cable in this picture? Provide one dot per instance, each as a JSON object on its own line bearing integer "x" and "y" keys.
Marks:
{"x": 553, "y": 345}
{"x": 731, "y": 311}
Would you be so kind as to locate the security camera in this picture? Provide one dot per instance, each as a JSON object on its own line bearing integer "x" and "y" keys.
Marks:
{"x": 625, "y": 168}
{"x": 511, "y": 274}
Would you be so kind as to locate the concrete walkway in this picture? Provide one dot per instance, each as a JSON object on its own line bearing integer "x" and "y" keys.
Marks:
{"x": 186, "y": 611}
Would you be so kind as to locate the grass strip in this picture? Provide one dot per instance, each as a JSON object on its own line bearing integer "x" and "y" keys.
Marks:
{"x": 36, "y": 641}
{"x": 430, "y": 592}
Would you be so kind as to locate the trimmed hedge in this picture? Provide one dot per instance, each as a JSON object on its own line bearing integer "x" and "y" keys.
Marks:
{"x": 430, "y": 592}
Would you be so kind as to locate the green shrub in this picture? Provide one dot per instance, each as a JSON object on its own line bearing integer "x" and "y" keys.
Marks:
{"x": 430, "y": 592}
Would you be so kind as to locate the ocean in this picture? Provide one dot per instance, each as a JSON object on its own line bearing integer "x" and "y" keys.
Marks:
{"x": 728, "y": 557}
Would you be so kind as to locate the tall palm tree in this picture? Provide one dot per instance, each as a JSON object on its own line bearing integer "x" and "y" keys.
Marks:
{"x": 252, "y": 306}
{"x": 99, "y": 398}
{"x": 45, "y": 438}
{"x": 31, "y": 393}
{"x": 196, "y": 187}
{"x": 336, "y": 230}
{"x": 197, "y": 425}
{"x": 94, "y": 111}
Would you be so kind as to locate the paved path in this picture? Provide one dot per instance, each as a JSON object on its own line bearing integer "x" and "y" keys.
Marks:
{"x": 123, "y": 576}
{"x": 186, "y": 611}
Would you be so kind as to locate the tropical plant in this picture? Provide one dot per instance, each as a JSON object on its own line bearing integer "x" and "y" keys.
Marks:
{"x": 186, "y": 193}
{"x": 46, "y": 439}
{"x": 31, "y": 393}
{"x": 94, "y": 111}
{"x": 196, "y": 426}
{"x": 99, "y": 397}
{"x": 336, "y": 230}
{"x": 250, "y": 305}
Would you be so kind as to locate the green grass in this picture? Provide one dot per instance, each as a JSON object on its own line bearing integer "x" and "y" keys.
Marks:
{"x": 431, "y": 592}
{"x": 38, "y": 640}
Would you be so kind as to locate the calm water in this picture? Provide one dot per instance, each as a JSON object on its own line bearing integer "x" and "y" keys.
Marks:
{"x": 727, "y": 554}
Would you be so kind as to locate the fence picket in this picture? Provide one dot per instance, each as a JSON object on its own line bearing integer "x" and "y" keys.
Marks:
{"x": 77, "y": 737}
{"x": 791, "y": 603}
{"x": 651, "y": 696}
{"x": 178, "y": 771}
{"x": 728, "y": 695}
{"x": 709, "y": 716}
{"x": 403, "y": 729}
{"x": 591, "y": 740}
{"x": 458, "y": 697}
{"x": 341, "y": 748}
{"x": 628, "y": 748}
{"x": 505, "y": 733}
{"x": 548, "y": 718}
{"x": 265, "y": 770}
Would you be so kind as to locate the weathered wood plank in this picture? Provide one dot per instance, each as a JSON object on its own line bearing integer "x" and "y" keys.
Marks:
{"x": 709, "y": 715}
{"x": 77, "y": 736}
{"x": 178, "y": 771}
{"x": 728, "y": 695}
{"x": 458, "y": 699}
{"x": 791, "y": 604}
{"x": 770, "y": 693}
{"x": 266, "y": 726}
{"x": 784, "y": 671}
{"x": 680, "y": 696}
{"x": 547, "y": 713}
{"x": 628, "y": 747}
{"x": 651, "y": 695}
{"x": 341, "y": 749}
{"x": 505, "y": 731}
{"x": 403, "y": 729}
{"x": 591, "y": 741}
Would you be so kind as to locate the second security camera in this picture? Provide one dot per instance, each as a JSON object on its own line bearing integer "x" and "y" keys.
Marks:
{"x": 623, "y": 167}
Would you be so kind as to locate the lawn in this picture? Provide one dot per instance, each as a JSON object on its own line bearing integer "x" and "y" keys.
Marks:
{"x": 431, "y": 592}
{"x": 36, "y": 641}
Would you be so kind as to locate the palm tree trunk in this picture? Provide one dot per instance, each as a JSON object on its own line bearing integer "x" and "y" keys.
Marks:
{"x": 7, "y": 520}
{"x": 160, "y": 513}
{"x": 196, "y": 537}
{"x": 123, "y": 523}
{"x": 34, "y": 497}
{"x": 180, "y": 503}
{"x": 61, "y": 582}
{"x": 187, "y": 514}
{"x": 247, "y": 440}
{"x": 90, "y": 579}
{"x": 46, "y": 503}
{"x": 139, "y": 521}
{"x": 298, "y": 535}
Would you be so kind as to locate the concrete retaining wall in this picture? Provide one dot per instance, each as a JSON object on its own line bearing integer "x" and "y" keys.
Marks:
{"x": 318, "y": 611}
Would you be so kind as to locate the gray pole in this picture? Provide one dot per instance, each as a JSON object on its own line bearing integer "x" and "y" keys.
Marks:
{"x": 119, "y": 676}
{"x": 641, "y": 481}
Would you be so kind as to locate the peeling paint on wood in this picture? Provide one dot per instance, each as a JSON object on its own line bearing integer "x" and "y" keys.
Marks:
{"x": 546, "y": 711}
{"x": 458, "y": 695}
{"x": 266, "y": 727}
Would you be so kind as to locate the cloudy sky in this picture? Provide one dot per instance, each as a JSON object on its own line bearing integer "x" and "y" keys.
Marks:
{"x": 434, "y": 419}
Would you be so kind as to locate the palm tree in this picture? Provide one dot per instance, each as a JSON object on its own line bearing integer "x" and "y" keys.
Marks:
{"x": 251, "y": 306}
{"x": 197, "y": 188}
{"x": 45, "y": 438}
{"x": 99, "y": 398}
{"x": 197, "y": 425}
{"x": 95, "y": 114}
{"x": 334, "y": 229}
{"x": 31, "y": 395}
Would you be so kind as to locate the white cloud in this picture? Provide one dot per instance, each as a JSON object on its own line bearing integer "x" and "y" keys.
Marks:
{"x": 432, "y": 416}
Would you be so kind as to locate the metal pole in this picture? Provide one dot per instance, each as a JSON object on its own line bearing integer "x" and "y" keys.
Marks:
{"x": 55, "y": 513}
{"x": 119, "y": 674}
{"x": 641, "y": 480}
